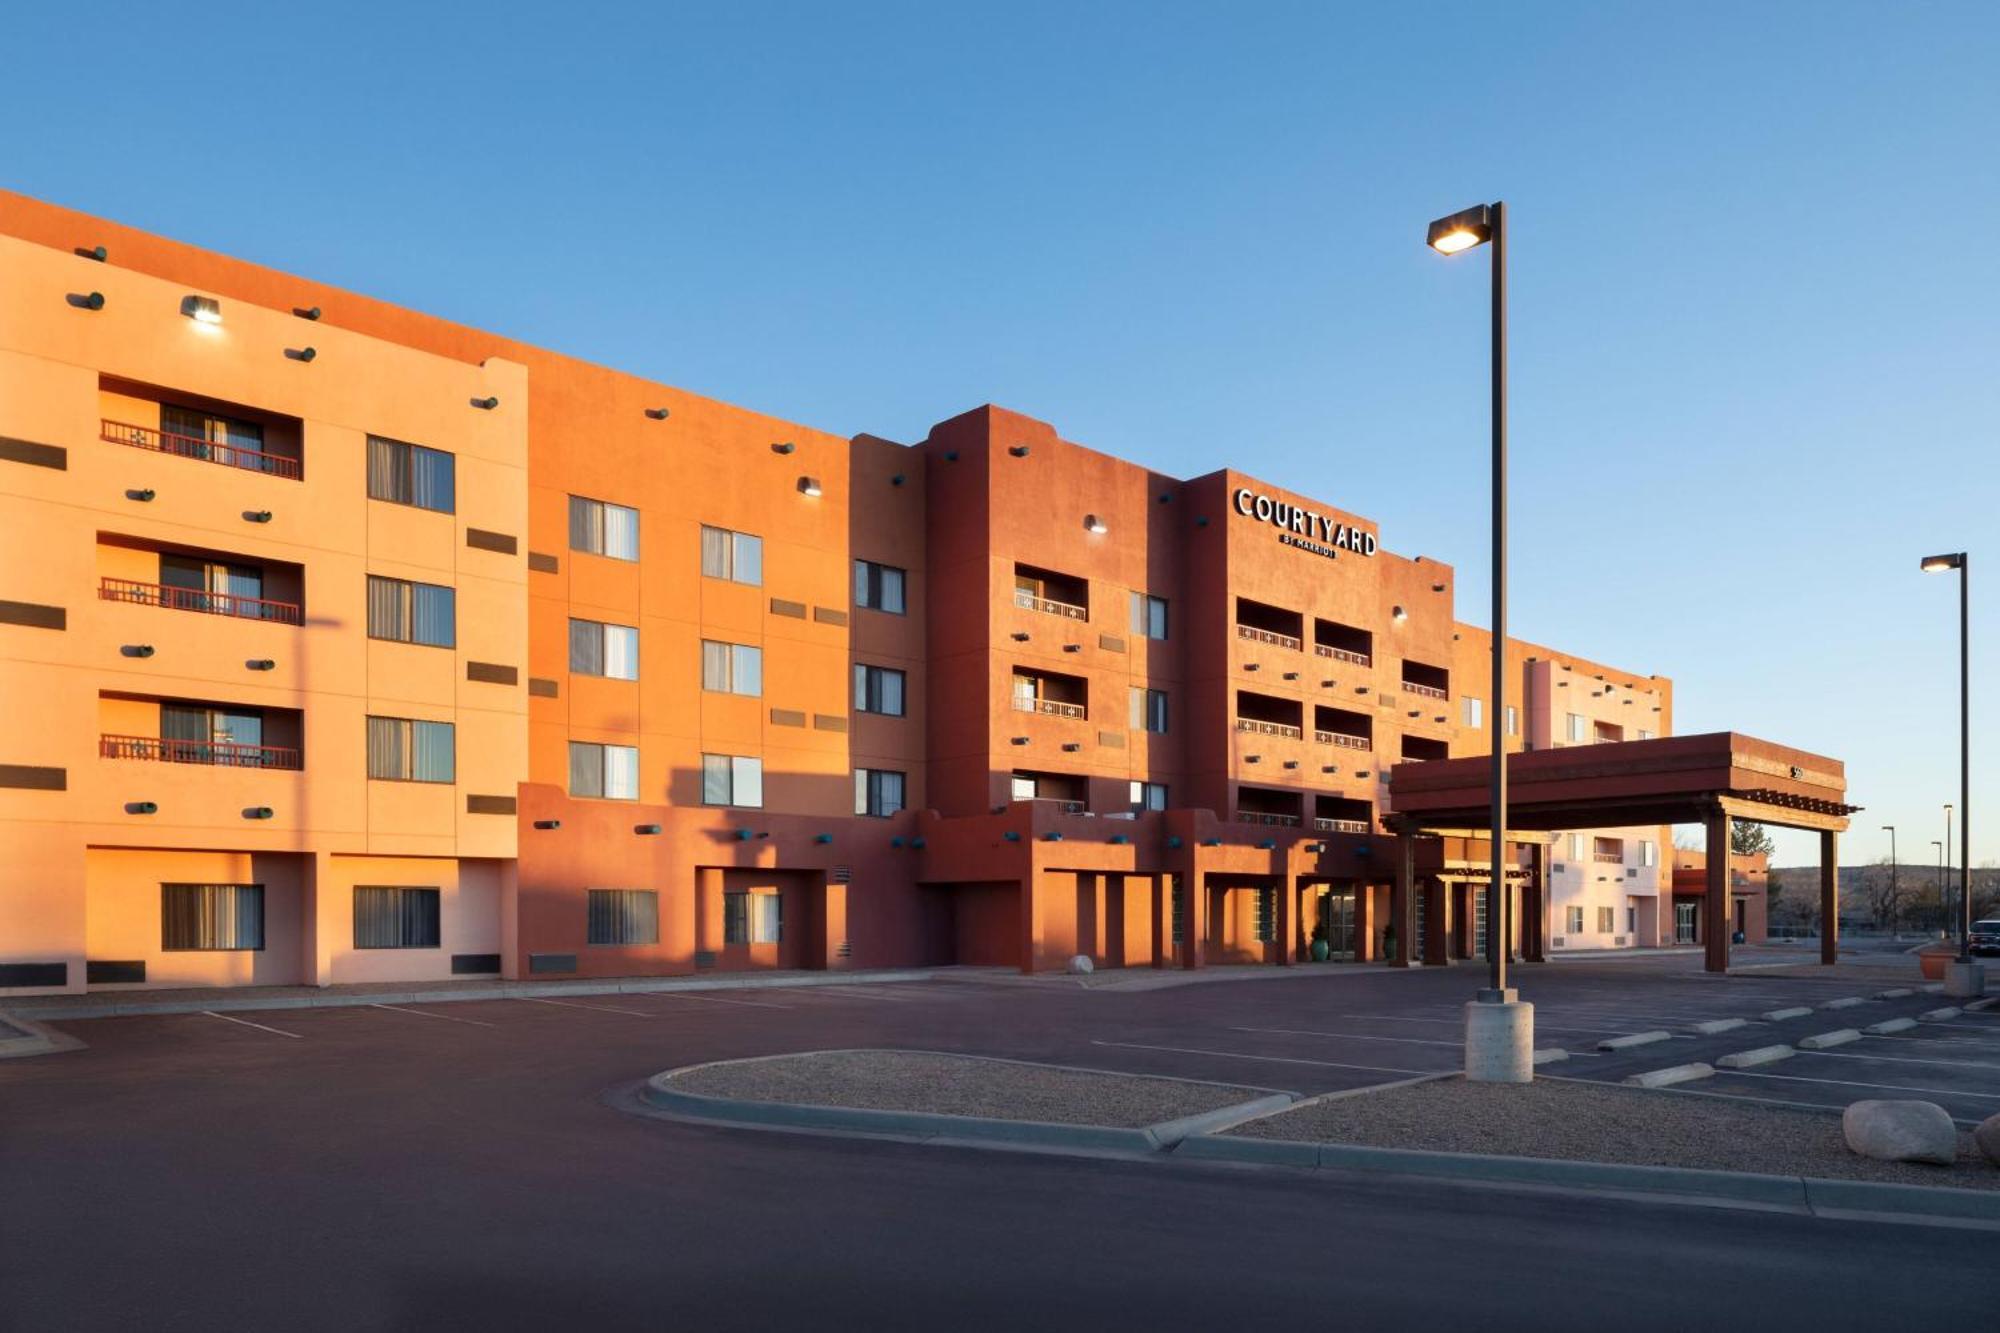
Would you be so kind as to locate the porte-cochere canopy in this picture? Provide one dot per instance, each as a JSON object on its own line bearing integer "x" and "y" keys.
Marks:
{"x": 1707, "y": 779}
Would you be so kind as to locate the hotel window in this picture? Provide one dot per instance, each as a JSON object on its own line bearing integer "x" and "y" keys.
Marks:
{"x": 406, "y": 612}
{"x": 753, "y": 916}
{"x": 395, "y": 918}
{"x": 233, "y": 738}
{"x": 1149, "y": 796}
{"x": 221, "y": 589}
{"x": 1579, "y": 727}
{"x": 1575, "y": 915}
{"x": 1475, "y": 712}
{"x": 624, "y": 916}
{"x": 1267, "y": 915}
{"x": 1149, "y": 709}
{"x": 1149, "y": 616}
{"x": 732, "y": 668}
{"x": 1607, "y": 921}
{"x": 208, "y": 918}
{"x": 1649, "y": 853}
{"x": 732, "y": 779}
{"x": 877, "y": 791}
{"x": 409, "y": 474}
{"x": 1513, "y": 720}
{"x": 402, "y": 749}
{"x": 1631, "y": 921}
{"x": 597, "y": 528}
{"x": 1645, "y": 735}
{"x": 878, "y": 587}
{"x": 878, "y": 690}
{"x": 607, "y": 772}
{"x": 597, "y": 649}
{"x": 736, "y": 556}
{"x": 216, "y": 439}
{"x": 1579, "y": 848}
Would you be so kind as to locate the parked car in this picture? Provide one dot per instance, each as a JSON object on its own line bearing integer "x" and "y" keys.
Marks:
{"x": 1985, "y": 937}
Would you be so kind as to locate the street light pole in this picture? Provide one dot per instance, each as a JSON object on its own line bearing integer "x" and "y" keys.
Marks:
{"x": 1938, "y": 882}
{"x": 1964, "y": 977}
{"x": 1895, "y": 892}
{"x": 1499, "y": 1028}
{"x": 1944, "y": 875}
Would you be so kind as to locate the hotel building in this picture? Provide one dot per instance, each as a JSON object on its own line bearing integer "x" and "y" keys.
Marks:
{"x": 346, "y": 644}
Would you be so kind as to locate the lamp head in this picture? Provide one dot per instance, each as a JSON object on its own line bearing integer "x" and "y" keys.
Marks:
{"x": 1461, "y": 231}
{"x": 1937, "y": 564}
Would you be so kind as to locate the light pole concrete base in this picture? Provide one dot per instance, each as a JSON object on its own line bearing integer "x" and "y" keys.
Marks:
{"x": 1963, "y": 981}
{"x": 1500, "y": 1041}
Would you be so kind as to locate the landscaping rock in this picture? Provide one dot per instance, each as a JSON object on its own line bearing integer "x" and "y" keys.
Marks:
{"x": 1987, "y": 1136}
{"x": 1081, "y": 964}
{"x": 1901, "y": 1131}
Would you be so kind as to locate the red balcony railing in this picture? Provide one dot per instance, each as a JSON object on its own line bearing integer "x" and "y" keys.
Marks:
{"x": 1343, "y": 654}
{"x": 197, "y": 599}
{"x": 1341, "y": 738}
{"x": 208, "y": 451}
{"x": 1267, "y": 636}
{"x": 1267, "y": 817}
{"x": 1428, "y": 691}
{"x": 1325, "y": 825}
{"x": 221, "y": 754}
{"x": 1608, "y": 858}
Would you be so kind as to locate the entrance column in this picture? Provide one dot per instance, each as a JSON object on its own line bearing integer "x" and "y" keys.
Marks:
{"x": 1402, "y": 901}
{"x": 1715, "y": 906}
{"x": 1364, "y": 922}
{"x": 1437, "y": 948}
{"x": 1829, "y": 897}
{"x": 1535, "y": 905}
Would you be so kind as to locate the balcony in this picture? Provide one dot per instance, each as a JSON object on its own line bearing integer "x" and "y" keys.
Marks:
{"x": 1326, "y": 825}
{"x": 204, "y": 450}
{"x": 1028, "y": 601}
{"x": 1430, "y": 682}
{"x": 1608, "y": 858}
{"x": 1268, "y": 817}
{"x": 1267, "y": 636}
{"x": 1343, "y": 643}
{"x": 199, "y": 600}
{"x": 1343, "y": 727}
{"x": 1427, "y": 691}
{"x": 216, "y": 754}
{"x": 1269, "y": 728}
{"x": 1051, "y": 707}
{"x": 1343, "y": 654}
{"x": 1051, "y": 592}
{"x": 1343, "y": 740}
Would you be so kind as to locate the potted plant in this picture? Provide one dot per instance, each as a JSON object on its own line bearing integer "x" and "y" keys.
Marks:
{"x": 1389, "y": 943}
{"x": 1320, "y": 948}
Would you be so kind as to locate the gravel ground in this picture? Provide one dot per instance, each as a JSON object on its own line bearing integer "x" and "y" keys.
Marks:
{"x": 1593, "y": 1122}
{"x": 961, "y": 1085}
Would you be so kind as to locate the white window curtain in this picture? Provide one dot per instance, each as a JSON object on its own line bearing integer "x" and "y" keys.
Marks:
{"x": 746, "y": 781}
{"x": 621, "y": 772}
{"x": 621, "y": 532}
{"x": 621, "y": 652}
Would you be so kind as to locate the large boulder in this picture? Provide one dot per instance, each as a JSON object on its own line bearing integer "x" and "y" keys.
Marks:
{"x": 1901, "y": 1132}
{"x": 1081, "y": 964}
{"x": 1987, "y": 1136}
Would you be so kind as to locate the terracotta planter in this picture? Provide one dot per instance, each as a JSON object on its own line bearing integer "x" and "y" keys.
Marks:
{"x": 1933, "y": 957}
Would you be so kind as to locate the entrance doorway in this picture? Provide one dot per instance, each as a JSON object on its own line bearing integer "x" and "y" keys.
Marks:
{"x": 1684, "y": 917}
{"x": 1479, "y": 923}
{"x": 1336, "y": 913}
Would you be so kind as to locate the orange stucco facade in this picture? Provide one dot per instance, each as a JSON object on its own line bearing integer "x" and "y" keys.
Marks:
{"x": 720, "y": 691}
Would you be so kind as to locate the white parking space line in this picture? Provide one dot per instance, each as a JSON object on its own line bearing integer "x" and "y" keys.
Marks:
{"x": 1353, "y": 1036}
{"x": 600, "y": 1008}
{"x": 1270, "y": 1059}
{"x": 709, "y": 999}
{"x": 1460, "y": 1022}
{"x": 1852, "y": 1083}
{"x": 1904, "y": 1059}
{"x": 844, "y": 993}
{"x": 248, "y": 1024}
{"x": 425, "y": 1013}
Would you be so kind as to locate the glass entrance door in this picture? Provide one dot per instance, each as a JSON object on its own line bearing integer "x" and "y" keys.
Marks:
{"x": 1337, "y": 915}
{"x": 1479, "y": 923}
{"x": 1684, "y": 923}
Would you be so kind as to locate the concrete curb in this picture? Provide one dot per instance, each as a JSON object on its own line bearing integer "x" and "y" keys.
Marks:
{"x": 1981, "y": 1006}
{"x": 1819, "y": 1041}
{"x": 1780, "y": 1015}
{"x": 1548, "y": 1055}
{"x": 1717, "y": 1026}
{"x": 1888, "y": 1026}
{"x": 932, "y": 1127}
{"x": 1896, "y": 993}
{"x": 519, "y": 990}
{"x": 1628, "y": 1041}
{"x": 1844, "y": 1002}
{"x": 1761, "y": 1055}
{"x": 1793, "y": 1193}
{"x": 1950, "y": 1011}
{"x": 34, "y": 1039}
{"x": 1662, "y": 1078}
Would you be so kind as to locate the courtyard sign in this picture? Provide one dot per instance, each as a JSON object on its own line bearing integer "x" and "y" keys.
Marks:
{"x": 1303, "y": 528}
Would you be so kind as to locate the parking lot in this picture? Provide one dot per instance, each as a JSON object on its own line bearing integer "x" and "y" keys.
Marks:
{"x": 464, "y": 1157}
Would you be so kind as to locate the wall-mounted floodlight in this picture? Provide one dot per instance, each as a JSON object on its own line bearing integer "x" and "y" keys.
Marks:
{"x": 202, "y": 309}
{"x": 1092, "y": 523}
{"x": 658, "y": 413}
{"x": 809, "y": 486}
{"x": 306, "y": 311}
{"x": 548, "y": 823}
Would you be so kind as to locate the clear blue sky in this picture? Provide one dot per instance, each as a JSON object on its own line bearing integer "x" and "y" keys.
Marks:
{"x": 1756, "y": 366}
